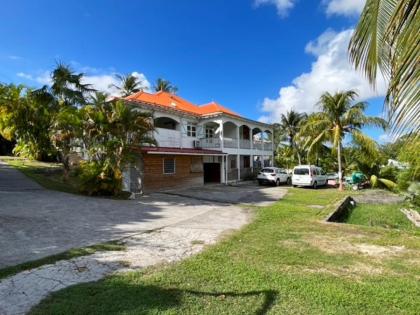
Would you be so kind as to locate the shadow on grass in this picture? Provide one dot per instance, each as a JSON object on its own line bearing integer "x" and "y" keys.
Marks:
{"x": 112, "y": 297}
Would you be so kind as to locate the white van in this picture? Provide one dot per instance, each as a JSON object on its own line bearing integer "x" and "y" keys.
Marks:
{"x": 309, "y": 175}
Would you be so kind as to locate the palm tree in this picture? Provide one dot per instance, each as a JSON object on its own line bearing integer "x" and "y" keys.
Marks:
{"x": 340, "y": 117}
{"x": 165, "y": 86}
{"x": 67, "y": 86}
{"x": 387, "y": 39}
{"x": 129, "y": 84}
{"x": 288, "y": 128}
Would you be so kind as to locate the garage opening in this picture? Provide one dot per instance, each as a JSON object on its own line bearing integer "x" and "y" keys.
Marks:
{"x": 211, "y": 173}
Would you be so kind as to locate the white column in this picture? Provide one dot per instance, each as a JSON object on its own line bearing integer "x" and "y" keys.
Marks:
{"x": 237, "y": 137}
{"x": 221, "y": 135}
{"x": 238, "y": 164}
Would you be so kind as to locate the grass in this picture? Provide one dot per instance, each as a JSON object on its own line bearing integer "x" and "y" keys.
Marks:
{"x": 72, "y": 253}
{"x": 288, "y": 261}
{"x": 387, "y": 216}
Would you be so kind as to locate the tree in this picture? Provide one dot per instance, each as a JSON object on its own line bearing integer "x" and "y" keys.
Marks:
{"x": 24, "y": 118}
{"x": 66, "y": 130}
{"x": 339, "y": 117}
{"x": 112, "y": 131}
{"x": 129, "y": 84}
{"x": 288, "y": 129}
{"x": 387, "y": 39}
{"x": 165, "y": 86}
{"x": 68, "y": 87}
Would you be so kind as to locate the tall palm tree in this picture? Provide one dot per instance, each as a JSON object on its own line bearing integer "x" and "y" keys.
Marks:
{"x": 165, "y": 86}
{"x": 387, "y": 39}
{"x": 67, "y": 86}
{"x": 339, "y": 116}
{"x": 288, "y": 128}
{"x": 129, "y": 84}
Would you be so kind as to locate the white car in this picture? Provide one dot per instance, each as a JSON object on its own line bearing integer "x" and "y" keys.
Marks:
{"x": 273, "y": 175}
{"x": 309, "y": 175}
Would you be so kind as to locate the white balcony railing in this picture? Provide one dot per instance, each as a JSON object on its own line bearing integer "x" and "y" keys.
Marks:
{"x": 167, "y": 137}
{"x": 210, "y": 143}
{"x": 230, "y": 143}
{"x": 257, "y": 145}
{"x": 245, "y": 144}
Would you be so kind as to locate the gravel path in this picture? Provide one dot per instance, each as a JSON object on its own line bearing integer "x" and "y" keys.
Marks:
{"x": 19, "y": 293}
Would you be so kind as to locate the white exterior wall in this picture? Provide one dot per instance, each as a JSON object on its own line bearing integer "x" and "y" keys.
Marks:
{"x": 179, "y": 138}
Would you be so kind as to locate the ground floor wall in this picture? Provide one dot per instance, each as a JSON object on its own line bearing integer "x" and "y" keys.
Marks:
{"x": 188, "y": 171}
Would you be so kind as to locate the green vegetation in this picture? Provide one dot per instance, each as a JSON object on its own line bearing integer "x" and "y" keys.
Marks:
{"x": 48, "y": 175}
{"x": 288, "y": 261}
{"x": 383, "y": 215}
{"x": 53, "y": 122}
{"x": 386, "y": 41}
{"x": 72, "y": 253}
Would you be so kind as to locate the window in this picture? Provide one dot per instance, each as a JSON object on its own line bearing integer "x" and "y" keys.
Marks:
{"x": 301, "y": 171}
{"x": 169, "y": 166}
{"x": 191, "y": 130}
{"x": 267, "y": 170}
{"x": 209, "y": 132}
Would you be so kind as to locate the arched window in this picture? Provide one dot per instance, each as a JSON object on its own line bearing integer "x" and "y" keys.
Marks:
{"x": 166, "y": 123}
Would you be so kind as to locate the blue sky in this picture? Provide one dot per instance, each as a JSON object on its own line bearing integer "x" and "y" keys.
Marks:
{"x": 257, "y": 57}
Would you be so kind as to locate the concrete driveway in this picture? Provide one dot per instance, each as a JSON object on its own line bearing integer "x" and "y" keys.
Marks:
{"x": 245, "y": 193}
{"x": 35, "y": 222}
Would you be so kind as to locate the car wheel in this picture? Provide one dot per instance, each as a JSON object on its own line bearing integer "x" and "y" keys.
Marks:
{"x": 260, "y": 183}
{"x": 278, "y": 182}
{"x": 288, "y": 181}
{"x": 315, "y": 185}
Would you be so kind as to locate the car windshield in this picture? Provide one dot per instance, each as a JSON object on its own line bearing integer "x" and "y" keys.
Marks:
{"x": 267, "y": 170}
{"x": 301, "y": 171}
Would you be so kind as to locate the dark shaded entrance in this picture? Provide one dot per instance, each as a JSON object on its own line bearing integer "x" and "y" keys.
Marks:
{"x": 211, "y": 172}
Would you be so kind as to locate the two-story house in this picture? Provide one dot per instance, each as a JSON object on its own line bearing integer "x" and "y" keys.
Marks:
{"x": 198, "y": 144}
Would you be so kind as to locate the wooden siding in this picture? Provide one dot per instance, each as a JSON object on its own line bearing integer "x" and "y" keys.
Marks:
{"x": 184, "y": 176}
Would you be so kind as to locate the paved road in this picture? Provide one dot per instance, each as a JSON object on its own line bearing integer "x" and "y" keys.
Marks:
{"x": 35, "y": 222}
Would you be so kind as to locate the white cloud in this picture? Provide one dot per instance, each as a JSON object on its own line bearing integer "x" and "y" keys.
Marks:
{"x": 14, "y": 57}
{"x": 331, "y": 71}
{"x": 344, "y": 7}
{"x": 44, "y": 78}
{"x": 105, "y": 82}
{"x": 24, "y": 75}
{"x": 283, "y": 6}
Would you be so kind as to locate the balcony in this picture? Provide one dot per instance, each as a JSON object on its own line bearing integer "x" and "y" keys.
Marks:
{"x": 244, "y": 144}
{"x": 230, "y": 143}
{"x": 210, "y": 143}
{"x": 168, "y": 137}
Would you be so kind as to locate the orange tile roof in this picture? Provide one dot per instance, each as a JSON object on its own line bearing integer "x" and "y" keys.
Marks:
{"x": 175, "y": 102}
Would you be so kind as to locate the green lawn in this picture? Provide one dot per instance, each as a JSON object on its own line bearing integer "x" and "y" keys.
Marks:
{"x": 288, "y": 261}
{"x": 387, "y": 216}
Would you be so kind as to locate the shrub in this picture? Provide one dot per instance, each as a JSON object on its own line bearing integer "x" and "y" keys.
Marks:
{"x": 99, "y": 179}
{"x": 389, "y": 172}
{"x": 413, "y": 194}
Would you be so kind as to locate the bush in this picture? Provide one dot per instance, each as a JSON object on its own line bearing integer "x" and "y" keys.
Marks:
{"x": 403, "y": 180}
{"x": 389, "y": 172}
{"x": 100, "y": 180}
{"x": 413, "y": 194}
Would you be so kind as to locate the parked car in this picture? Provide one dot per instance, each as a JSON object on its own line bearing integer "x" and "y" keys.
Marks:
{"x": 273, "y": 175}
{"x": 309, "y": 175}
{"x": 332, "y": 176}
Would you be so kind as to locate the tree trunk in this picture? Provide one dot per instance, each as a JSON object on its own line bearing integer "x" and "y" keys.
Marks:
{"x": 340, "y": 177}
